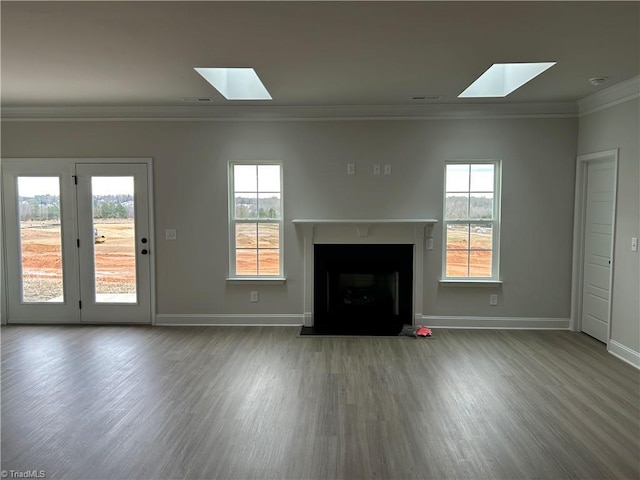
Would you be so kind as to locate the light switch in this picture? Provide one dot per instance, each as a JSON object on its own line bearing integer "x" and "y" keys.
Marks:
{"x": 170, "y": 234}
{"x": 376, "y": 169}
{"x": 351, "y": 168}
{"x": 387, "y": 169}
{"x": 634, "y": 244}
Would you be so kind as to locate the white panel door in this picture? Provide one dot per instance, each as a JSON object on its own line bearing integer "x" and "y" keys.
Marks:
{"x": 598, "y": 238}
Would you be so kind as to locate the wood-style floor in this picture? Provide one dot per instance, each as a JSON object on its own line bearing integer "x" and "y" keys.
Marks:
{"x": 261, "y": 402}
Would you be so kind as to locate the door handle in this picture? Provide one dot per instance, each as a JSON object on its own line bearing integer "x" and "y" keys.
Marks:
{"x": 144, "y": 251}
{"x": 144, "y": 240}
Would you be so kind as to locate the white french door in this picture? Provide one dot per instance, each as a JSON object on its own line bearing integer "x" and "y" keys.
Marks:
{"x": 78, "y": 245}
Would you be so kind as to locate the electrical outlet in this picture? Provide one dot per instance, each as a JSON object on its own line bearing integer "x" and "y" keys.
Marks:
{"x": 254, "y": 296}
{"x": 376, "y": 169}
{"x": 170, "y": 234}
{"x": 387, "y": 169}
{"x": 493, "y": 300}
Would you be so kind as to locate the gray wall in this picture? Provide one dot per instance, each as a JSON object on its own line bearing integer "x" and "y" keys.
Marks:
{"x": 618, "y": 127}
{"x": 190, "y": 162}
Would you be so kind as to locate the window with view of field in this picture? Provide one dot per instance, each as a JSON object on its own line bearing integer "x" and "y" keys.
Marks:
{"x": 471, "y": 220}
{"x": 255, "y": 220}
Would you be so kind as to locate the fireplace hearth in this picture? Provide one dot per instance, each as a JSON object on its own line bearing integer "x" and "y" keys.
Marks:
{"x": 362, "y": 288}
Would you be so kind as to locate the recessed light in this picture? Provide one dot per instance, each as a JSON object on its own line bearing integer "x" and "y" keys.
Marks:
{"x": 501, "y": 79}
{"x": 235, "y": 83}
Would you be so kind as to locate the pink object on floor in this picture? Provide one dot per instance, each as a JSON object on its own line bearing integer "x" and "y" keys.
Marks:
{"x": 423, "y": 332}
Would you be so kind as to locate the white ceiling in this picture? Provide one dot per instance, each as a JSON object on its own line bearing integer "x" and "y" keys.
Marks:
{"x": 308, "y": 54}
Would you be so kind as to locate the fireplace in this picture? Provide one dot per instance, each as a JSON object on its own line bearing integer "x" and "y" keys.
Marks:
{"x": 366, "y": 288}
{"x": 414, "y": 236}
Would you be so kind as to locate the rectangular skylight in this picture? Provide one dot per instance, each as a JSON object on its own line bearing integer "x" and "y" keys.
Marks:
{"x": 235, "y": 83}
{"x": 503, "y": 78}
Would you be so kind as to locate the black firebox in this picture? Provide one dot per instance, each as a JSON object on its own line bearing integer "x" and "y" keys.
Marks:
{"x": 362, "y": 289}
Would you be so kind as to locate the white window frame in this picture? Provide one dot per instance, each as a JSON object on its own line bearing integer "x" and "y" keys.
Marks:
{"x": 233, "y": 275}
{"x": 495, "y": 224}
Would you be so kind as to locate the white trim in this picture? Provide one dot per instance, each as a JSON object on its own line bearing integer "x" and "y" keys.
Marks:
{"x": 273, "y": 319}
{"x": 3, "y": 258}
{"x": 25, "y": 164}
{"x": 614, "y": 95}
{"x": 456, "y": 111}
{"x": 470, "y": 283}
{"x": 416, "y": 232}
{"x": 233, "y": 221}
{"x": 579, "y": 213}
{"x": 492, "y": 323}
{"x": 152, "y": 238}
{"x": 295, "y": 319}
{"x": 495, "y": 221}
{"x": 364, "y": 221}
{"x": 624, "y": 353}
{"x": 257, "y": 280}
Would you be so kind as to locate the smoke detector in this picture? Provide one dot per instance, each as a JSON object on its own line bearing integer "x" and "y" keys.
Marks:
{"x": 596, "y": 81}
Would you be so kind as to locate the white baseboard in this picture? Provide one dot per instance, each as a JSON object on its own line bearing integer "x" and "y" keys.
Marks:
{"x": 624, "y": 353}
{"x": 436, "y": 321}
{"x": 512, "y": 323}
{"x": 278, "y": 319}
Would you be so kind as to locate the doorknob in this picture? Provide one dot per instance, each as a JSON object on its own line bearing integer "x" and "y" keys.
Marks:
{"x": 144, "y": 251}
{"x": 144, "y": 240}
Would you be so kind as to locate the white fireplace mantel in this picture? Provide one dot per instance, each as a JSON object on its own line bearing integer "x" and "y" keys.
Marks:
{"x": 363, "y": 226}
{"x": 416, "y": 231}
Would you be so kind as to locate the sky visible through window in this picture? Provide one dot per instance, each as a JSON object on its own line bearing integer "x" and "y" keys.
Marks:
{"x": 32, "y": 186}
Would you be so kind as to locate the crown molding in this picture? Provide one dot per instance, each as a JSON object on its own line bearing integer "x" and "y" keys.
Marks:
{"x": 283, "y": 113}
{"x": 618, "y": 93}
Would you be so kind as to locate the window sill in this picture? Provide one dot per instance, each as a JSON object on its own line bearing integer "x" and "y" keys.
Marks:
{"x": 257, "y": 280}
{"x": 470, "y": 283}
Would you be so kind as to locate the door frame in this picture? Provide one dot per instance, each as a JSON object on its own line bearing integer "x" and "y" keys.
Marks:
{"x": 579, "y": 220}
{"x": 148, "y": 161}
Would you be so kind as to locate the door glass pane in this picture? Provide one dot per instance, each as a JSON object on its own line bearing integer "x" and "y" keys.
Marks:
{"x": 114, "y": 239}
{"x": 40, "y": 239}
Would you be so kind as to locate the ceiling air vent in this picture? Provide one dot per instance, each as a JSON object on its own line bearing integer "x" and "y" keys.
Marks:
{"x": 427, "y": 97}
{"x": 197, "y": 99}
